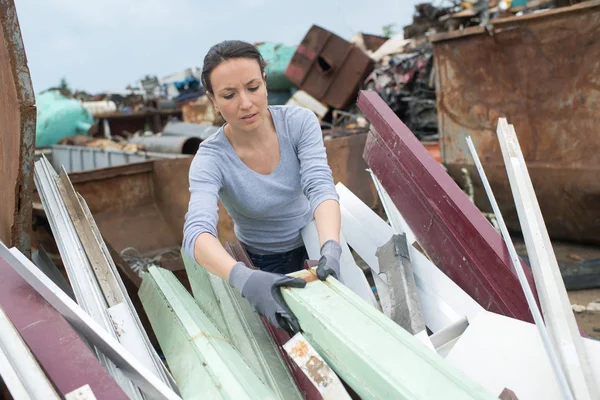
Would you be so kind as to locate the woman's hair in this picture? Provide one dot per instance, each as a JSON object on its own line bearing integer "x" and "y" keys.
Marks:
{"x": 227, "y": 50}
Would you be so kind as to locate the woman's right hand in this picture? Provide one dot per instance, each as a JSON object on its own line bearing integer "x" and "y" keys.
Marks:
{"x": 262, "y": 290}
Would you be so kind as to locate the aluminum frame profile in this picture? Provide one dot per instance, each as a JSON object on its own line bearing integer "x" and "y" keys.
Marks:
{"x": 19, "y": 370}
{"x": 204, "y": 362}
{"x": 235, "y": 318}
{"x": 442, "y": 301}
{"x": 372, "y": 354}
{"x": 395, "y": 265}
{"x": 537, "y": 316}
{"x": 135, "y": 334}
{"x": 83, "y": 281}
{"x": 97, "y": 335}
{"x": 552, "y": 293}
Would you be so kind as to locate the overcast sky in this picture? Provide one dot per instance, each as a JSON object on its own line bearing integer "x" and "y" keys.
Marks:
{"x": 103, "y": 45}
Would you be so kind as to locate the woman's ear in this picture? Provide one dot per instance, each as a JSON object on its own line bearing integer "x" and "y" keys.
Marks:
{"x": 212, "y": 98}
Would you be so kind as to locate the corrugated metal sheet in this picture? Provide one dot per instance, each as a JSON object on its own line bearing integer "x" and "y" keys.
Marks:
{"x": 79, "y": 158}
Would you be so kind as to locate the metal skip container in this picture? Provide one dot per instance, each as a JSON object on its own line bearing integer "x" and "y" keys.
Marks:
{"x": 542, "y": 72}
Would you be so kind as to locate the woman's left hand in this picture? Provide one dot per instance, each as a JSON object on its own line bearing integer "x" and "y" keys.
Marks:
{"x": 329, "y": 264}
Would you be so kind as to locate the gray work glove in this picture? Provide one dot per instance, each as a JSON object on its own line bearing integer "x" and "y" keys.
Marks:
{"x": 262, "y": 290}
{"x": 329, "y": 263}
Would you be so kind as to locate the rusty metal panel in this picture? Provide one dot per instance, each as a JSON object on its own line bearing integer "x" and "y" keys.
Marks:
{"x": 328, "y": 67}
{"x": 542, "y": 72}
{"x": 17, "y": 133}
{"x": 344, "y": 155}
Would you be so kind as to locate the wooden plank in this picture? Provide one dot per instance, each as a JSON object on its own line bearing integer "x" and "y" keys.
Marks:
{"x": 279, "y": 336}
{"x": 238, "y": 321}
{"x": 18, "y": 368}
{"x": 450, "y": 229}
{"x": 202, "y": 359}
{"x": 350, "y": 274}
{"x": 317, "y": 370}
{"x": 555, "y": 303}
{"x": 66, "y": 359}
{"x": 372, "y": 354}
{"x": 90, "y": 245}
{"x": 442, "y": 301}
{"x": 203, "y": 292}
{"x": 499, "y": 352}
{"x": 79, "y": 319}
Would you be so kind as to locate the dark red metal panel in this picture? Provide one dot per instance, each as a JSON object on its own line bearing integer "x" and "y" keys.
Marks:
{"x": 65, "y": 358}
{"x": 451, "y": 230}
{"x": 328, "y": 67}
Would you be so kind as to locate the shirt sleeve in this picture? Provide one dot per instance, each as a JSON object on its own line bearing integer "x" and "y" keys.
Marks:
{"x": 315, "y": 173}
{"x": 205, "y": 183}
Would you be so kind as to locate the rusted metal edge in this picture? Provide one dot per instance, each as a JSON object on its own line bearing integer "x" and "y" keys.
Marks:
{"x": 503, "y": 22}
{"x": 20, "y": 231}
{"x": 111, "y": 172}
{"x": 458, "y": 238}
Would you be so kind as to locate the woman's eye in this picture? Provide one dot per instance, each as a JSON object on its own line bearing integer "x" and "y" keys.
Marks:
{"x": 228, "y": 96}
{"x": 253, "y": 89}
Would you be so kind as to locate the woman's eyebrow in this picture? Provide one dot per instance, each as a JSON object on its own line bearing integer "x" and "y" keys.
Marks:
{"x": 231, "y": 88}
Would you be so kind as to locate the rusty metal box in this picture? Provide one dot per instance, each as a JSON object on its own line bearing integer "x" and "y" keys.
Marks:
{"x": 328, "y": 67}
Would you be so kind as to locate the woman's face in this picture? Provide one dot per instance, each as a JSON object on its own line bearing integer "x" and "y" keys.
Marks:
{"x": 240, "y": 93}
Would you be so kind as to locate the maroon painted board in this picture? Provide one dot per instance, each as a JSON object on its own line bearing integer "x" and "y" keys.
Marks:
{"x": 450, "y": 229}
{"x": 65, "y": 358}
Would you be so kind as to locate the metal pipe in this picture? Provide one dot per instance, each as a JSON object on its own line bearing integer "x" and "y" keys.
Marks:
{"x": 177, "y": 128}
{"x": 537, "y": 317}
{"x": 168, "y": 144}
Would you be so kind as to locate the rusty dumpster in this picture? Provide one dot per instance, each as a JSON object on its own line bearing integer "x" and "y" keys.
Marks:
{"x": 542, "y": 72}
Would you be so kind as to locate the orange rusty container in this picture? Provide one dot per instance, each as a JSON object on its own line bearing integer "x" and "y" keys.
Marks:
{"x": 542, "y": 72}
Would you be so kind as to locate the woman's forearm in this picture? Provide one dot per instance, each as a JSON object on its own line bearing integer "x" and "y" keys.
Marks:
{"x": 328, "y": 220}
{"x": 212, "y": 256}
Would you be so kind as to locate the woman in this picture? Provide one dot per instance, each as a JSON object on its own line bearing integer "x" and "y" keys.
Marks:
{"x": 268, "y": 166}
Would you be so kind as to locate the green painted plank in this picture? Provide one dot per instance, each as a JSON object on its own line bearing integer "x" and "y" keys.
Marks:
{"x": 203, "y": 292}
{"x": 243, "y": 327}
{"x": 371, "y": 353}
{"x": 250, "y": 337}
{"x": 203, "y": 361}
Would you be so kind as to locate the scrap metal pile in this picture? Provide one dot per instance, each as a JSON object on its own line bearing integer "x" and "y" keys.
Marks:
{"x": 432, "y": 301}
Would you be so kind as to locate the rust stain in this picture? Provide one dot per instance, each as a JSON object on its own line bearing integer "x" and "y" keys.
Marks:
{"x": 300, "y": 349}
{"x": 533, "y": 72}
{"x": 17, "y": 122}
{"x": 318, "y": 371}
{"x": 308, "y": 275}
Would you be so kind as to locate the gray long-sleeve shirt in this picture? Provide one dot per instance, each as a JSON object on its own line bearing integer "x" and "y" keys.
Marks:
{"x": 268, "y": 210}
